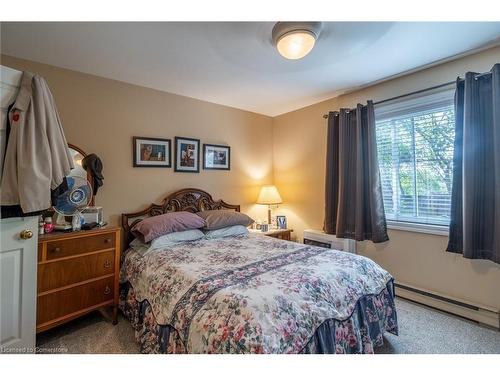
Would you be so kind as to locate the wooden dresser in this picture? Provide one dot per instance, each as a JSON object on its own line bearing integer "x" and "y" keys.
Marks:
{"x": 78, "y": 272}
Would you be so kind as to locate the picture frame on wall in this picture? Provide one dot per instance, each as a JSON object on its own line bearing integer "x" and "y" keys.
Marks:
{"x": 187, "y": 155}
{"x": 152, "y": 152}
{"x": 216, "y": 157}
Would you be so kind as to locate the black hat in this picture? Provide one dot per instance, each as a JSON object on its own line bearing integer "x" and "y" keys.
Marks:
{"x": 94, "y": 164}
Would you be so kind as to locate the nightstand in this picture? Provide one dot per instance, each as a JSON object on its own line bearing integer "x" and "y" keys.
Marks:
{"x": 282, "y": 234}
{"x": 77, "y": 273}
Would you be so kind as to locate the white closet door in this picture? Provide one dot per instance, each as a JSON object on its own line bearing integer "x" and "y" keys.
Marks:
{"x": 18, "y": 256}
{"x": 18, "y": 262}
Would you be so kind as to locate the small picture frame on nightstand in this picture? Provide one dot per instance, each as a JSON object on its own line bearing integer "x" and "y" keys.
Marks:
{"x": 281, "y": 221}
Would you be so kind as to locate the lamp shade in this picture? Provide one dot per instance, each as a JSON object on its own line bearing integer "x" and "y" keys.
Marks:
{"x": 296, "y": 44}
{"x": 294, "y": 40}
{"x": 269, "y": 195}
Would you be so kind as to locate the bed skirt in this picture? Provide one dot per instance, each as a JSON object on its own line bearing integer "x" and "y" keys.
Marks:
{"x": 360, "y": 333}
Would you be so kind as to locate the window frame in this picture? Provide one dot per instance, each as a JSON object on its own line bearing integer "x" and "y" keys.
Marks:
{"x": 437, "y": 98}
{"x": 408, "y": 226}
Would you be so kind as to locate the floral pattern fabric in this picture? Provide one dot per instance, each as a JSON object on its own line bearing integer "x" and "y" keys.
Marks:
{"x": 255, "y": 294}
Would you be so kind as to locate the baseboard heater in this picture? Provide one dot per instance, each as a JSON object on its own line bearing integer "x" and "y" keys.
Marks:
{"x": 482, "y": 314}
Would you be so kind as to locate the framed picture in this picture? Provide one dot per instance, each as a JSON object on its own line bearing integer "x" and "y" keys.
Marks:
{"x": 281, "y": 221}
{"x": 187, "y": 155}
{"x": 152, "y": 152}
{"x": 216, "y": 157}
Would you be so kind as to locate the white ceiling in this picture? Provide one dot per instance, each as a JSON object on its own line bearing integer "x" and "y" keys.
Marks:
{"x": 235, "y": 63}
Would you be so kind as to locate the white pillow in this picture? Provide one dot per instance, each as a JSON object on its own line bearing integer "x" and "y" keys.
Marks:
{"x": 166, "y": 240}
{"x": 175, "y": 237}
{"x": 235, "y": 230}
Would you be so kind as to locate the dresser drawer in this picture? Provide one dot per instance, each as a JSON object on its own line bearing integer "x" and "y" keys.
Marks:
{"x": 54, "y": 275}
{"x": 59, "y": 304}
{"x": 283, "y": 236}
{"x": 75, "y": 246}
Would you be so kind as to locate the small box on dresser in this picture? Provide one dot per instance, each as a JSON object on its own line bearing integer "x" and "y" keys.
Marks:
{"x": 78, "y": 272}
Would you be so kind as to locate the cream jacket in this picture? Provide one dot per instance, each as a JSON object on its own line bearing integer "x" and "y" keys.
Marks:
{"x": 37, "y": 157}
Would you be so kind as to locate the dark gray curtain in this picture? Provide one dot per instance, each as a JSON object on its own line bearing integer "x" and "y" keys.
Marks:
{"x": 475, "y": 200}
{"x": 354, "y": 207}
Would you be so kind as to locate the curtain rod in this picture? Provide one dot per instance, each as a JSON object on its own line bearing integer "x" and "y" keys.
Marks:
{"x": 420, "y": 91}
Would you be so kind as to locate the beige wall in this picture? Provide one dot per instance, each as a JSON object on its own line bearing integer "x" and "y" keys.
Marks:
{"x": 101, "y": 116}
{"x": 412, "y": 258}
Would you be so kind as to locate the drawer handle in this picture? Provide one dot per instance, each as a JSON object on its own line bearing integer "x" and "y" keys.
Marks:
{"x": 56, "y": 249}
{"x": 107, "y": 240}
{"x": 107, "y": 263}
{"x": 107, "y": 290}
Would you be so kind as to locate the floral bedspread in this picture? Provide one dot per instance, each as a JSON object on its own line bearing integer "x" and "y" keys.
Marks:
{"x": 251, "y": 294}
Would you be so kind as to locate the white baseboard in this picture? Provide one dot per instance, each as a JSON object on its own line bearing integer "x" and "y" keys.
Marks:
{"x": 482, "y": 314}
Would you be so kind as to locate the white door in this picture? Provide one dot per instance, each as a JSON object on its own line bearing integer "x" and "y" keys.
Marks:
{"x": 18, "y": 262}
{"x": 18, "y": 257}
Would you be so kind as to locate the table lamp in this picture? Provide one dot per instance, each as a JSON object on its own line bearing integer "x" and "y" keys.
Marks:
{"x": 269, "y": 195}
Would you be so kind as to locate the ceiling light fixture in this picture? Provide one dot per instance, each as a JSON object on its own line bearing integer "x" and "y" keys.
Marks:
{"x": 294, "y": 40}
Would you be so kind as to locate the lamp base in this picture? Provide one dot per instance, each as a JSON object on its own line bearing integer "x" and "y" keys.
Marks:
{"x": 269, "y": 215}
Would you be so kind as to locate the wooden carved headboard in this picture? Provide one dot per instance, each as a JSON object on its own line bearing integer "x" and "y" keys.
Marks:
{"x": 192, "y": 200}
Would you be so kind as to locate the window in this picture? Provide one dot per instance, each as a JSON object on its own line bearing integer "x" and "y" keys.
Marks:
{"x": 415, "y": 153}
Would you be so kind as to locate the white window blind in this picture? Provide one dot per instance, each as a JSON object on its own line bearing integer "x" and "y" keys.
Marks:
{"x": 415, "y": 153}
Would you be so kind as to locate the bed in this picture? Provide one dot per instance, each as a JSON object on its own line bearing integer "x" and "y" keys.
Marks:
{"x": 251, "y": 293}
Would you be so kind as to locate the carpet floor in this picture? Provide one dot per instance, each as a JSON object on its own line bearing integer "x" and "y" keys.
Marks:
{"x": 422, "y": 330}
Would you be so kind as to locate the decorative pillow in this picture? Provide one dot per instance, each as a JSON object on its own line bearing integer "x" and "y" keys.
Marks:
{"x": 156, "y": 226}
{"x": 235, "y": 230}
{"x": 166, "y": 240}
{"x": 216, "y": 219}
